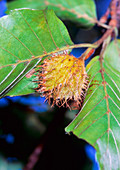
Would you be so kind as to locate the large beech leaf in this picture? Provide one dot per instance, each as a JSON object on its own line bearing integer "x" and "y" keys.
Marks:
{"x": 81, "y": 11}
{"x": 99, "y": 119}
{"x": 25, "y": 37}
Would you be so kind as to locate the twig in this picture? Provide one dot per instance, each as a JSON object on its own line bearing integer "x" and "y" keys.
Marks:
{"x": 106, "y": 34}
{"x": 100, "y": 23}
{"x": 34, "y": 157}
{"x": 104, "y": 18}
{"x": 118, "y": 14}
{"x": 113, "y": 8}
{"x": 97, "y": 43}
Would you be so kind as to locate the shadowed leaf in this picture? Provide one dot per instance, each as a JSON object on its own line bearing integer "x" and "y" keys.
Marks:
{"x": 80, "y": 11}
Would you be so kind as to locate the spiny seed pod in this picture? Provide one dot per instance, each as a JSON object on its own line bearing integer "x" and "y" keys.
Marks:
{"x": 62, "y": 80}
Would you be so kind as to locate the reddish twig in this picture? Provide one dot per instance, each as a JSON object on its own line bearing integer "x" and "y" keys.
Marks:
{"x": 113, "y": 8}
{"x": 104, "y": 18}
{"x": 118, "y": 14}
{"x": 34, "y": 157}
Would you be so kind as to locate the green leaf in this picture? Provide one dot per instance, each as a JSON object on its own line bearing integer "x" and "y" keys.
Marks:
{"x": 80, "y": 11}
{"x": 99, "y": 119}
{"x": 25, "y": 37}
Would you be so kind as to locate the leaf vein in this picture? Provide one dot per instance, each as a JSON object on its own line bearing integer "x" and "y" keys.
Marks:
{"x": 90, "y": 96}
{"x": 99, "y": 138}
{"x": 9, "y": 53}
{"x": 18, "y": 40}
{"x": 92, "y": 65}
{"x": 60, "y": 31}
{"x": 113, "y": 92}
{"x": 115, "y": 118}
{"x": 13, "y": 84}
{"x": 50, "y": 30}
{"x": 89, "y": 113}
{"x": 112, "y": 70}
{"x": 114, "y": 103}
{"x": 33, "y": 31}
{"x": 10, "y": 85}
{"x": 113, "y": 81}
{"x": 116, "y": 146}
{"x": 8, "y": 75}
{"x": 94, "y": 121}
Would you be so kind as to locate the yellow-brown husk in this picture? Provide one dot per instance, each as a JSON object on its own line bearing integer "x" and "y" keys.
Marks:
{"x": 63, "y": 80}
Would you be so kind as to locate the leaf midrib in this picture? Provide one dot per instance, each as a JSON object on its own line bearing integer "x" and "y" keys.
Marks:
{"x": 108, "y": 109}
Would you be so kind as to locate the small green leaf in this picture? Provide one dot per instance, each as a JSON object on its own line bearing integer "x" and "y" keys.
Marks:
{"x": 25, "y": 37}
{"x": 99, "y": 119}
{"x": 81, "y": 11}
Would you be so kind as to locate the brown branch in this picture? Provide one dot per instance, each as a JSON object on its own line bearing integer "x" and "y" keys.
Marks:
{"x": 106, "y": 34}
{"x": 88, "y": 52}
{"x": 104, "y": 18}
{"x": 118, "y": 14}
{"x": 113, "y": 8}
